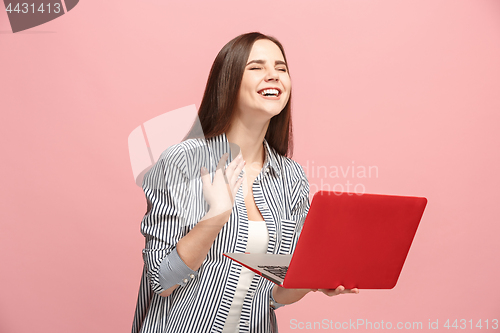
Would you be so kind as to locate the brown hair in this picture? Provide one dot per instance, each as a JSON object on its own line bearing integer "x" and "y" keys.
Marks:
{"x": 221, "y": 93}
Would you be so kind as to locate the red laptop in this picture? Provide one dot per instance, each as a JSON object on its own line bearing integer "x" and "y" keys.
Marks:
{"x": 355, "y": 240}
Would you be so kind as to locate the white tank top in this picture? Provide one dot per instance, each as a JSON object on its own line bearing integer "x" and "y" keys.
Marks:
{"x": 258, "y": 238}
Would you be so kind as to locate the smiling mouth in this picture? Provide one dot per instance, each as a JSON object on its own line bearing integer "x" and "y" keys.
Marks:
{"x": 270, "y": 92}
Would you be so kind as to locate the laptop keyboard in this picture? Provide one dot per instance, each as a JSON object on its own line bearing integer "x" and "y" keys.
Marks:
{"x": 279, "y": 271}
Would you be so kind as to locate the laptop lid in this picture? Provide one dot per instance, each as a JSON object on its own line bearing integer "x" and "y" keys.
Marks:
{"x": 358, "y": 241}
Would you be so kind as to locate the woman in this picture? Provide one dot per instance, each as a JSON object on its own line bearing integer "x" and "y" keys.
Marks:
{"x": 202, "y": 202}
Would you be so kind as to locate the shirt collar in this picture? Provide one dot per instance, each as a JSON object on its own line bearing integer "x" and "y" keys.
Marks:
{"x": 270, "y": 161}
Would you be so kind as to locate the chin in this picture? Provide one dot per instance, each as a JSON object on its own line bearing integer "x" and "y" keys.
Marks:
{"x": 267, "y": 112}
{"x": 272, "y": 113}
{"x": 273, "y": 110}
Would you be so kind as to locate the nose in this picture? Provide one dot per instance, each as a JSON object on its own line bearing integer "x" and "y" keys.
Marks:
{"x": 272, "y": 75}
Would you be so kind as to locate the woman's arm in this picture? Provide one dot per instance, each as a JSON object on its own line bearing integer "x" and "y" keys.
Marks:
{"x": 288, "y": 296}
{"x": 194, "y": 246}
{"x": 219, "y": 194}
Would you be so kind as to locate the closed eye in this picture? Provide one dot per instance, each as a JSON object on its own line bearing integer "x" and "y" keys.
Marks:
{"x": 284, "y": 70}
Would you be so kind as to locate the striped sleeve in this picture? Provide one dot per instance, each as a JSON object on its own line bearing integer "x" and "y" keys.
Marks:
{"x": 174, "y": 271}
{"x": 274, "y": 305}
{"x": 165, "y": 223}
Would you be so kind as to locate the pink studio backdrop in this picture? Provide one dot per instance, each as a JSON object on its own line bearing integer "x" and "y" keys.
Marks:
{"x": 409, "y": 88}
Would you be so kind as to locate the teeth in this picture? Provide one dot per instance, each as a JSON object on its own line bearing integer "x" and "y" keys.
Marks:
{"x": 274, "y": 92}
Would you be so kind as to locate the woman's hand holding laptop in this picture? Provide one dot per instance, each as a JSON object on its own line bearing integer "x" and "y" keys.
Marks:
{"x": 339, "y": 290}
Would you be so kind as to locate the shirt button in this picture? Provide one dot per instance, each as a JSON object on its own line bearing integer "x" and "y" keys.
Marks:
{"x": 185, "y": 280}
{"x": 265, "y": 206}
{"x": 191, "y": 276}
{"x": 247, "y": 323}
{"x": 267, "y": 169}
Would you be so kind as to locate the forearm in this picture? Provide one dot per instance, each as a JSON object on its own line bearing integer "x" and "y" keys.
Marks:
{"x": 194, "y": 246}
{"x": 191, "y": 250}
{"x": 288, "y": 296}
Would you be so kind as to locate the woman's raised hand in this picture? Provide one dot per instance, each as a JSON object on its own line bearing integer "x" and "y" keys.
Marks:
{"x": 220, "y": 193}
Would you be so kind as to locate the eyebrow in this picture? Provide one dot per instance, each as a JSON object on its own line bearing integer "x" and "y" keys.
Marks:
{"x": 262, "y": 62}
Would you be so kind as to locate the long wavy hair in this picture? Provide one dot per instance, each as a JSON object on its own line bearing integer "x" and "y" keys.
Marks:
{"x": 221, "y": 92}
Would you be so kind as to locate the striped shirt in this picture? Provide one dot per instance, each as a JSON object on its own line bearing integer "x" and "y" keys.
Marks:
{"x": 173, "y": 189}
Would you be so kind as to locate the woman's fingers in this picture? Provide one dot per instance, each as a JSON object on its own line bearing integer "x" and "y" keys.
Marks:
{"x": 236, "y": 173}
{"x": 232, "y": 168}
{"x": 328, "y": 292}
{"x": 238, "y": 184}
{"x": 222, "y": 162}
{"x": 234, "y": 162}
{"x": 340, "y": 290}
{"x": 336, "y": 291}
{"x": 232, "y": 171}
{"x": 237, "y": 170}
{"x": 205, "y": 177}
{"x": 220, "y": 192}
{"x": 228, "y": 176}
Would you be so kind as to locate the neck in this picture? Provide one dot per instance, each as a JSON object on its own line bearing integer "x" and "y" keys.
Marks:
{"x": 249, "y": 138}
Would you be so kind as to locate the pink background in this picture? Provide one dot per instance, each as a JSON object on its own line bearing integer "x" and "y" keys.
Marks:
{"x": 411, "y": 87}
